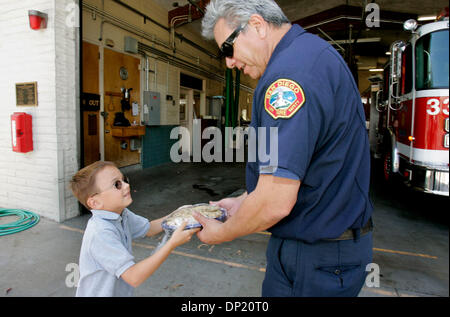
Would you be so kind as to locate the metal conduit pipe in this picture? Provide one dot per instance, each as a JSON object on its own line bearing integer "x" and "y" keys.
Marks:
{"x": 172, "y": 27}
{"x": 159, "y": 55}
{"x": 140, "y": 13}
{"x": 101, "y": 23}
{"x": 143, "y": 48}
{"x": 196, "y": 5}
{"x": 346, "y": 17}
{"x": 124, "y": 25}
{"x": 134, "y": 30}
{"x": 194, "y": 69}
{"x": 180, "y": 36}
{"x": 147, "y": 70}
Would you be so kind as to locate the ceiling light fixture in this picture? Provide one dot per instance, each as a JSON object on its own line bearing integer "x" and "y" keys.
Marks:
{"x": 426, "y": 18}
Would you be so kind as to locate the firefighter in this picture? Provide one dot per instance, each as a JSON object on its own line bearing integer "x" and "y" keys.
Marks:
{"x": 315, "y": 202}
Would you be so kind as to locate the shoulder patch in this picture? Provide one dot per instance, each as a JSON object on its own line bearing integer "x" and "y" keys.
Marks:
{"x": 283, "y": 99}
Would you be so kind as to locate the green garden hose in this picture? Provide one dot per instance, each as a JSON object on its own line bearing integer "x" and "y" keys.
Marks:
{"x": 27, "y": 219}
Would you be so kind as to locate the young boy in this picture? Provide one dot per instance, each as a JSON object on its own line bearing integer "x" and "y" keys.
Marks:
{"x": 107, "y": 267}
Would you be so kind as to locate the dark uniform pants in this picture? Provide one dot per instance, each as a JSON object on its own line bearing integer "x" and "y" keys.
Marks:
{"x": 325, "y": 268}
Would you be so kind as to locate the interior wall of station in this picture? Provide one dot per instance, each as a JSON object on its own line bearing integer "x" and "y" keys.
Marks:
{"x": 166, "y": 80}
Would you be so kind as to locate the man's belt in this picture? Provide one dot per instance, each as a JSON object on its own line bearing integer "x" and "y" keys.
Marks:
{"x": 350, "y": 234}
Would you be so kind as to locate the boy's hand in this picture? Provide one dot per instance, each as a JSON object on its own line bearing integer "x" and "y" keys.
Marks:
{"x": 181, "y": 236}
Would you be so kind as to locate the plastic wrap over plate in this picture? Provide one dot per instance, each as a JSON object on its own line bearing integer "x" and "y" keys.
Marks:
{"x": 184, "y": 213}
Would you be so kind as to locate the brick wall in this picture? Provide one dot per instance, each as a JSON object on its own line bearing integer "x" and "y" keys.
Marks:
{"x": 38, "y": 181}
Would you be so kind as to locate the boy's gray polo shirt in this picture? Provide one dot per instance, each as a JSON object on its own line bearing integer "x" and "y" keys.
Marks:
{"x": 106, "y": 252}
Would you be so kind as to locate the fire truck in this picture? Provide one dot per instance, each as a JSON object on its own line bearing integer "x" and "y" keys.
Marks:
{"x": 409, "y": 122}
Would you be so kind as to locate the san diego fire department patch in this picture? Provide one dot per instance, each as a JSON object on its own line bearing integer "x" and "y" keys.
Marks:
{"x": 284, "y": 98}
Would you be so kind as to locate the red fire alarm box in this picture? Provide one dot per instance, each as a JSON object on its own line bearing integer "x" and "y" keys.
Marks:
{"x": 22, "y": 132}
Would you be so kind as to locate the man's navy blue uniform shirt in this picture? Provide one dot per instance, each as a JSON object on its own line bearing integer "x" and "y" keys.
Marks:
{"x": 324, "y": 143}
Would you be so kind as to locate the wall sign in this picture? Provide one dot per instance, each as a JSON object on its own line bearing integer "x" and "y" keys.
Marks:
{"x": 90, "y": 102}
{"x": 26, "y": 94}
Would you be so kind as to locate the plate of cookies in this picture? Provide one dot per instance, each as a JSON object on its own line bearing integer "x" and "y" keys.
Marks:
{"x": 185, "y": 213}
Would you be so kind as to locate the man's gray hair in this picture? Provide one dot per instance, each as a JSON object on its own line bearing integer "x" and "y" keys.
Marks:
{"x": 238, "y": 12}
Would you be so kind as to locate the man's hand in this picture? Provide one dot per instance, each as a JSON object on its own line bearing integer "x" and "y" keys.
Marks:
{"x": 210, "y": 234}
{"x": 272, "y": 200}
{"x": 230, "y": 204}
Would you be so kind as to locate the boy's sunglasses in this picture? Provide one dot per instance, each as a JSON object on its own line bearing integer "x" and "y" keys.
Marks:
{"x": 227, "y": 49}
{"x": 117, "y": 184}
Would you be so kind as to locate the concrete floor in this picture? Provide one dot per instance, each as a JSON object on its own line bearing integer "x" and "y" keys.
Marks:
{"x": 410, "y": 242}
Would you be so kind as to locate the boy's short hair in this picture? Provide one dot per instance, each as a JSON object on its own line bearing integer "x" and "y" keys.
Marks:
{"x": 82, "y": 183}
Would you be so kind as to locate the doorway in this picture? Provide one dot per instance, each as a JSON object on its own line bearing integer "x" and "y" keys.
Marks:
{"x": 120, "y": 73}
{"x": 111, "y": 128}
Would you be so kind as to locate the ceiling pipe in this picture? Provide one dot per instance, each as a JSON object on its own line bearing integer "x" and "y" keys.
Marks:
{"x": 180, "y": 36}
{"x": 110, "y": 19}
{"x": 173, "y": 60}
{"x": 346, "y": 17}
{"x": 102, "y": 22}
{"x": 146, "y": 17}
{"x": 331, "y": 39}
{"x": 173, "y": 21}
{"x": 151, "y": 38}
{"x": 134, "y": 30}
{"x": 196, "y": 5}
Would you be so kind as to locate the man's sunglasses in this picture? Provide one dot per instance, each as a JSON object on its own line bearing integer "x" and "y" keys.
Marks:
{"x": 227, "y": 50}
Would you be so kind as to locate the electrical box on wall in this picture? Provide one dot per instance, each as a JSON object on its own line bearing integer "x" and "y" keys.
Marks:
{"x": 131, "y": 45}
{"x": 160, "y": 111}
{"x": 152, "y": 108}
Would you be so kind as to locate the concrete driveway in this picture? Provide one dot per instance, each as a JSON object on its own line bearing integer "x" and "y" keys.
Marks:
{"x": 410, "y": 242}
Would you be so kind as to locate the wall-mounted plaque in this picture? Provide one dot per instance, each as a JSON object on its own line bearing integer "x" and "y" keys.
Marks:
{"x": 26, "y": 94}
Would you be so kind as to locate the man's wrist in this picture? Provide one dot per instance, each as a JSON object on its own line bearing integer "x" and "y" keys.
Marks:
{"x": 225, "y": 233}
{"x": 243, "y": 196}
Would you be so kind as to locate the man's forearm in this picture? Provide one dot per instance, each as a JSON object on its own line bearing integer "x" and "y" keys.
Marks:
{"x": 251, "y": 217}
{"x": 271, "y": 201}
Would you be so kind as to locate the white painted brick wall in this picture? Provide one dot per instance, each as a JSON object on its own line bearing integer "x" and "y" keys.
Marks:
{"x": 38, "y": 181}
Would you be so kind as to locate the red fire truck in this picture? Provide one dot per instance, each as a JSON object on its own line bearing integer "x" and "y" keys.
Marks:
{"x": 412, "y": 106}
